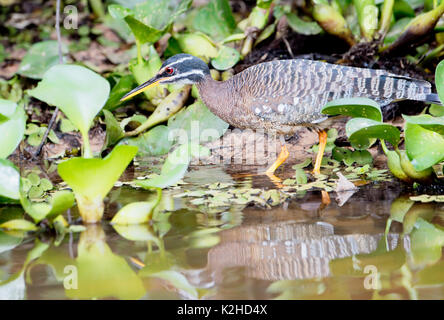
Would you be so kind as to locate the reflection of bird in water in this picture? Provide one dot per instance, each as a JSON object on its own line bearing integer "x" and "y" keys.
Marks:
{"x": 281, "y": 95}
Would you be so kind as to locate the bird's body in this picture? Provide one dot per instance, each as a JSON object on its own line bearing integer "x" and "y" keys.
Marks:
{"x": 281, "y": 95}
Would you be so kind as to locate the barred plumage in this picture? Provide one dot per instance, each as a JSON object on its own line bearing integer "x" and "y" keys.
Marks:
{"x": 302, "y": 87}
{"x": 286, "y": 93}
{"x": 282, "y": 95}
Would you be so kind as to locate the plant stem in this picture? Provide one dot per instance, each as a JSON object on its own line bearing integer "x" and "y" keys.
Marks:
{"x": 386, "y": 17}
{"x": 86, "y": 151}
{"x": 384, "y": 147}
{"x": 56, "y": 111}
{"x": 139, "y": 52}
{"x": 97, "y": 7}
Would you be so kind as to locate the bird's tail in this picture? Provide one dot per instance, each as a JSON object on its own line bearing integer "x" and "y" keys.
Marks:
{"x": 433, "y": 98}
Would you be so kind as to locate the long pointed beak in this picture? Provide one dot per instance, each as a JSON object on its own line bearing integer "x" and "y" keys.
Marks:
{"x": 149, "y": 84}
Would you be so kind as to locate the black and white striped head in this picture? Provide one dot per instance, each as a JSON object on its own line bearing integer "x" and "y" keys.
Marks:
{"x": 179, "y": 69}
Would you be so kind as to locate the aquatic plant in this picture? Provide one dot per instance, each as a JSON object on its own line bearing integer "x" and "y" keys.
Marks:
{"x": 79, "y": 92}
{"x": 92, "y": 179}
{"x": 12, "y": 126}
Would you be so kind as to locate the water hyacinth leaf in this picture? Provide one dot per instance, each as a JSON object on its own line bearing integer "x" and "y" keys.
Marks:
{"x": 226, "y": 58}
{"x": 12, "y": 131}
{"x": 439, "y": 80}
{"x": 354, "y": 107}
{"x": 92, "y": 179}
{"x": 123, "y": 86}
{"x": 428, "y": 122}
{"x": 57, "y": 203}
{"x": 7, "y": 109}
{"x": 18, "y": 224}
{"x": 197, "y": 44}
{"x": 301, "y": 26}
{"x": 155, "y": 142}
{"x": 160, "y": 13}
{"x": 175, "y": 166}
{"x": 215, "y": 19}
{"x": 197, "y": 123}
{"x": 142, "y": 32}
{"x": 113, "y": 130}
{"x": 424, "y": 147}
{"x": 361, "y": 131}
{"x": 9, "y": 180}
{"x": 79, "y": 92}
{"x": 402, "y": 8}
{"x": 137, "y": 212}
{"x": 436, "y": 110}
{"x": 149, "y": 20}
{"x": 40, "y": 57}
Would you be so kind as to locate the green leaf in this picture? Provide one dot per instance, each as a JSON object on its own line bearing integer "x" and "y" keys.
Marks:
{"x": 436, "y": 110}
{"x": 428, "y": 122}
{"x": 9, "y": 180}
{"x": 67, "y": 126}
{"x": 92, "y": 179}
{"x": 361, "y": 131}
{"x": 57, "y": 203}
{"x": 18, "y": 224}
{"x": 226, "y": 58}
{"x": 113, "y": 130}
{"x": 155, "y": 142}
{"x": 79, "y": 92}
{"x": 137, "y": 212}
{"x": 354, "y": 107}
{"x": 215, "y": 19}
{"x": 439, "y": 80}
{"x": 40, "y": 57}
{"x": 396, "y": 30}
{"x": 197, "y": 123}
{"x": 197, "y": 44}
{"x": 402, "y": 8}
{"x": 12, "y": 131}
{"x": 424, "y": 147}
{"x": 175, "y": 166}
{"x": 301, "y": 26}
{"x": 124, "y": 85}
{"x": 7, "y": 109}
{"x": 149, "y": 20}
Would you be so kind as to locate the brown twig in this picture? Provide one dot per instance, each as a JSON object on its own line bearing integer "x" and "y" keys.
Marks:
{"x": 56, "y": 111}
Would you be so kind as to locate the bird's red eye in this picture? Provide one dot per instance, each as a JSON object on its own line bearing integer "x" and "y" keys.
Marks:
{"x": 169, "y": 70}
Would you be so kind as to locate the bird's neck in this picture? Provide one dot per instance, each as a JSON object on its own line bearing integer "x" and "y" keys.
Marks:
{"x": 216, "y": 95}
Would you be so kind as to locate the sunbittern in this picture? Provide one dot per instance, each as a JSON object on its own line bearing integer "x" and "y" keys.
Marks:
{"x": 284, "y": 94}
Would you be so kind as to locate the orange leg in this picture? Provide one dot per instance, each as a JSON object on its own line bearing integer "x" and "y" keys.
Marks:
{"x": 280, "y": 160}
{"x": 325, "y": 198}
{"x": 322, "y": 144}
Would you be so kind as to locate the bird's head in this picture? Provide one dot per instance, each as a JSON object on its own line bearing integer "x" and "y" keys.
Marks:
{"x": 179, "y": 69}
